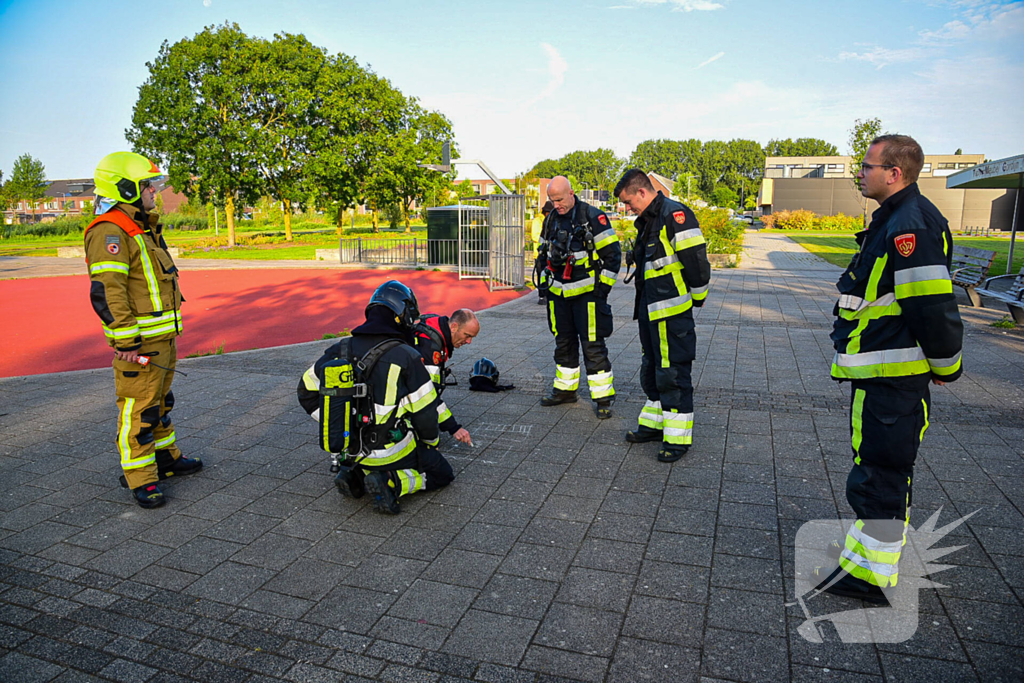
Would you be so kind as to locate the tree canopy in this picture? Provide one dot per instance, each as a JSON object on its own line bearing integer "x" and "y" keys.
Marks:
{"x": 28, "y": 181}
{"x": 861, "y": 135}
{"x": 801, "y": 147}
{"x": 599, "y": 169}
{"x": 235, "y": 117}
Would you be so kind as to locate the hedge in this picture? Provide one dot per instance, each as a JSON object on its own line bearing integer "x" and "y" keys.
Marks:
{"x": 801, "y": 219}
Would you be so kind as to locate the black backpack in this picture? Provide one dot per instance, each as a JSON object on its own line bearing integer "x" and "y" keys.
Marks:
{"x": 348, "y": 422}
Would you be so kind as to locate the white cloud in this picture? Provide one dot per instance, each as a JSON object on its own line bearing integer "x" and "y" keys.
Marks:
{"x": 880, "y": 57}
{"x": 556, "y": 71}
{"x": 982, "y": 22}
{"x": 685, "y": 5}
{"x": 708, "y": 61}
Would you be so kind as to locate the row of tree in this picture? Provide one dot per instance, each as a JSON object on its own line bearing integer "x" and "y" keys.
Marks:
{"x": 235, "y": 118}
{"x": 726, "y": 173}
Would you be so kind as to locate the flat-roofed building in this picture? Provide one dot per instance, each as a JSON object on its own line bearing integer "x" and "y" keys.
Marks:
{"x": 825, "y": 186}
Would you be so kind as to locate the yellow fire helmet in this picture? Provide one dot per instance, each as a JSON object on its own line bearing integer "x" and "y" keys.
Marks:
{"x": 119, "y": 175}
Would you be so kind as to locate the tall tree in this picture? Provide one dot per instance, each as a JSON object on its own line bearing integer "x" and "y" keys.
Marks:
{"x": 28, "y": 182}
{"x": 195, "y": 114}
{"x": 357, "y": 112}
{"x": 664, "y": 157}
{"x": 284, "y": 85}
{"x": 548, "y": 168}
{"x": 801, "y": 147}
{"x": 4, "y": 200}
{"x": 861, "y": 135}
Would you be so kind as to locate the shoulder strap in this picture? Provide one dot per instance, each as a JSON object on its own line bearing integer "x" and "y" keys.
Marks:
{"x": 120, "y": 220}
{"x": 368, "y": 362}
{"x": 423, "y": 328}
{"x": 582, "y": 208}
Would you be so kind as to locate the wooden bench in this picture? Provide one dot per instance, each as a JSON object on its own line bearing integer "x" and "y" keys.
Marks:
{"x": 1012, "y": 297}
{"x": 969, "y": 270}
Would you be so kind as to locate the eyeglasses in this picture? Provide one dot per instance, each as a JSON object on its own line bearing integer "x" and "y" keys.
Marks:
{"x": 863, "y": 165}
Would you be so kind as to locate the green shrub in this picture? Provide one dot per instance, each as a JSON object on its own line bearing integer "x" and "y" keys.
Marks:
{"x": 181, "y": 221}
{"x": 68, "y": 225}
{"x": 802, "y": 219}
{"x": 721, "y": 232}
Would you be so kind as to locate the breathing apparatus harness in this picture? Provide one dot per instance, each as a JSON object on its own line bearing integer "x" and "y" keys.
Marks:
{"x": 556, "y": 250}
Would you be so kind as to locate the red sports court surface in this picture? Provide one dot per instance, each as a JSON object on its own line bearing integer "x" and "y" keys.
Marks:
{"x": 50, "y": 325}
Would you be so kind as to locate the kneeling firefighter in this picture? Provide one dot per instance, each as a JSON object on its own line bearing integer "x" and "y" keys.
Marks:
{"x": 376, "y": 405}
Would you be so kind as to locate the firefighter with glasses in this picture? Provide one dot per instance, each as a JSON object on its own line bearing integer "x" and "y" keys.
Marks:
{"x": 897, "y": 329}
{"x": 134, "y": 291}
{"x": 578, "y": 262}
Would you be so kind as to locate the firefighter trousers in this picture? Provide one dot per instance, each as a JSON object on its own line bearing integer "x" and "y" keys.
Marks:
{"x": 584, "y": 320}
{"x": 888, "y": 420}
{"x": 423, "y": 470}
{"x": 145, "y": 433}
{"x": 669, "y": 347}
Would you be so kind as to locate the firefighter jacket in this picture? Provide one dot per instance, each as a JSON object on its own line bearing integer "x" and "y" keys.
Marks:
{"x": 403, "y": 397}
{"x": 671, "y": 260}
{"x": 134, "y": 283}
{"x": 897, "y": 314}
{"x": 582, "y": 250}
{"x": 436, "y": 349}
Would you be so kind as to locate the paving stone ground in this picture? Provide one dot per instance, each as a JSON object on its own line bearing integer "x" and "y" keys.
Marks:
{"x": 559, "y": 553}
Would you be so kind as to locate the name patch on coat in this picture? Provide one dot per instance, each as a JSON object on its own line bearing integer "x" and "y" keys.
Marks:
{"x": 113, "y": 244}
{"x": 680, "y": 217}
{"x": 905, "y": 244}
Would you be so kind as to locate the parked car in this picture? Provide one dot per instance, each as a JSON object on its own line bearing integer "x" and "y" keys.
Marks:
{"x": 745, "y": 219}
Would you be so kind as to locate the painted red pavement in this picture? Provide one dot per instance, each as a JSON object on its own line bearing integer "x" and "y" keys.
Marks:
{"x": 51, "y": 327}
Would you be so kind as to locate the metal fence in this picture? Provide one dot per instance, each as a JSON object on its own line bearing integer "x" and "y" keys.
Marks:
{"x": 491, "y": 244}
{"x": 507, "y": 241}
{"x": 411, "y": 252}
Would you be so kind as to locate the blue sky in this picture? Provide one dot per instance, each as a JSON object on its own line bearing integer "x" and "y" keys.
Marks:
{"x": 523, "y": 81}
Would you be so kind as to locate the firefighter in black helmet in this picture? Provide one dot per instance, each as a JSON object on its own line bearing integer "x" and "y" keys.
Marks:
{"x": 407, "y": 459}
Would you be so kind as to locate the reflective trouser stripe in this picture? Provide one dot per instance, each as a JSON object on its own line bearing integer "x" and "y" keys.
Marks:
{"x": 164, "y": 442}
{"x": 124, "y": 439}
{"x": 651, "y": 415}
{"x": 869, "y": 559}
{"x": 567, "y": 379}
{"x": 924, "y": 429}
{"x": 592, "y": 321}
{"x": 411, "y": 481}
{"x": 857, "y": 422}
{"x": 601, "y": 384}
{"x": 663, "y": 342}
{"x": 678, "y": 428}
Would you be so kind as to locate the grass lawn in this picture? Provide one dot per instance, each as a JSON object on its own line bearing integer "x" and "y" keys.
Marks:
{"x": 839, "y": 247}
{"x": 308, "y": 237}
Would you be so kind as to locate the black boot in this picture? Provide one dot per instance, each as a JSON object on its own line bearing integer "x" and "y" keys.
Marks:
{"x": 350, "y": 482}
{"x": 849, "y": 586}
{"x": 384, "y": 497}
{"x": 558, "y": 397}
{"x": 149, "y": 496}
{"x": 168, "y": 466}
{"x": 603, "y": 410}
{"x": 672, "y": 454}
{"x": 643, "y": 435}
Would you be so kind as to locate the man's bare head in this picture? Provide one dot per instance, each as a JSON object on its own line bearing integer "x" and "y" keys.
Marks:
{"x": 560, "y": 194}
{"x": 464, "y": 327}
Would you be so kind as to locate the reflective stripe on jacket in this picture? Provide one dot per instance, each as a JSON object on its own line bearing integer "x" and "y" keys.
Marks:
{"x": 133, "y": 288}
{"x": 897, "y": 315}
{"x": 672, "y": 253}
{"x": 583, "y": 274}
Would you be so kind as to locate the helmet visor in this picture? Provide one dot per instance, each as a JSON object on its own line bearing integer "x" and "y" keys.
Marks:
{"x": 156, "y": 182}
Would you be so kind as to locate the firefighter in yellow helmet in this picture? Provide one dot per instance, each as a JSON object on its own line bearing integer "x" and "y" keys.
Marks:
{"x": 134, "y": 291}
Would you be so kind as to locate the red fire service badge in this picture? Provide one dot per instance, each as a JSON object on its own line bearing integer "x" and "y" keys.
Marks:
{"x": 680, "y": 217}
{"x": 602, "y": 220}
{"x": 437, "y": 357}
{"x": 905, "y": 244}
